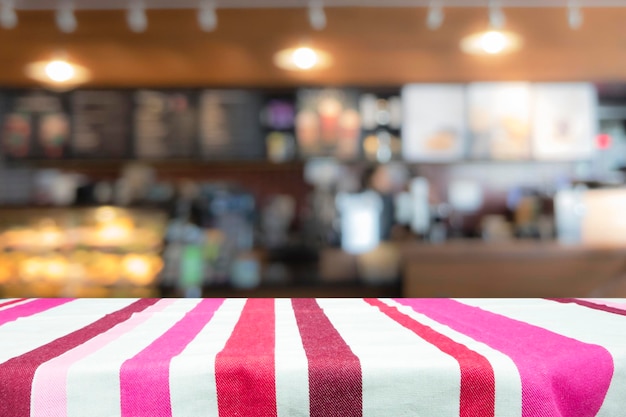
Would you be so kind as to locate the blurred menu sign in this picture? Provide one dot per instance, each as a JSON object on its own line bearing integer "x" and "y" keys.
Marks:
{"x": 565, "y": 121}
{"x": 328, "y": 123}
{"x": 278, "y": 119}
{"x": 229, "y": 125}
{"x": 381, "y": 119}
{"x": 165, "y": 124}
{"x": 102, "y": 122}
{"x": 499, "y": 119}
{"x": 433, "y": 123}
{"x": 35, "y": 125}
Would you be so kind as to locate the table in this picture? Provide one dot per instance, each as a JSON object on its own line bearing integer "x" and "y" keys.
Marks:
{"x": 318, "y": 357}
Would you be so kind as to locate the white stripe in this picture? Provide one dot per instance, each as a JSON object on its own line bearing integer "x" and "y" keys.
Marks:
{"x": 292, "y": 368}
{"x": 93, "y": 383}
{"x": 193, "y": 388}
{"x": 14, "y": 304}
{"x": 577, "y": 322}
{"x": 508, "y": 381}
{"x": 403, "y": 375}
{"x": 28, "y": 333}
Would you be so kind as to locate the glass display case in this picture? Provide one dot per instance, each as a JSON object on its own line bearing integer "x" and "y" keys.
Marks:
{"x": 80, "y": 252}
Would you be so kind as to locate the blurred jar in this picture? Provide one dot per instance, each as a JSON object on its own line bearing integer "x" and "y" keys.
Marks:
{"x": 496, "y": 228}
{"x": 379, "y": 266}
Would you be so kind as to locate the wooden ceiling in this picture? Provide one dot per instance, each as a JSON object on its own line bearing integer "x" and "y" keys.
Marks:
{"x": 370, "y": 47}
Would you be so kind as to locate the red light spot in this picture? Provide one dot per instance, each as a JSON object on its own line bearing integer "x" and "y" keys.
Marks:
{"x": 604, "y": 141}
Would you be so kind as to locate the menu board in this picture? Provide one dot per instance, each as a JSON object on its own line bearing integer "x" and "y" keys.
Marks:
{"x": 164, "y": 124}
{"x": 434, "y": 122}
{"x": 499, "y": 120}
{"x": 564, "y": 122}
{"x": 278, "y": 121}
{"x": 35, "y": 125}
{"x": 229, "y": 125}
{"x": 381, "y": 120}
{"x": 328, "y": 123}
{"x": 102, "y": 124}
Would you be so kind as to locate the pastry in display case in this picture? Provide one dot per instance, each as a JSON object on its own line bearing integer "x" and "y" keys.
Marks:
{"x": 80, "y": 252}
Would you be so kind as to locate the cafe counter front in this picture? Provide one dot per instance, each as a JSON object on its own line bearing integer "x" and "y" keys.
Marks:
{"x": 472, "y": 268}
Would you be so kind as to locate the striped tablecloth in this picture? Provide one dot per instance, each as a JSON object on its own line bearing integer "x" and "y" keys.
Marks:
{"x": 323, "y": 357}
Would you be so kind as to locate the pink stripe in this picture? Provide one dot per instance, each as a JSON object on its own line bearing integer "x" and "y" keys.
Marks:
{"x": 139, "y": 388}
{"x": 30, "y": 308}
{"x": 245, "y": 369}
{"x": 49, "y": 393}
{"x": 560, "y": 376}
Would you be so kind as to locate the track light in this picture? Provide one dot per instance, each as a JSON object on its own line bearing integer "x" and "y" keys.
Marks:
{"x": 207, "y": 17}
{"x": 434, "y": 19}
{"x": 317, "y": 16}
{"x": 497, "y": 19}
{"x": 493, "y": 41}
{"x": 574, "y": 15}
{"x": 136, "y": 16}
{"x": 8, "y": 17}
{"x": 65, "y": 18}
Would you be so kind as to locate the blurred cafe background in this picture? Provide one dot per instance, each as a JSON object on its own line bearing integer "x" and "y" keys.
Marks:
{"x": 329, "y": 148}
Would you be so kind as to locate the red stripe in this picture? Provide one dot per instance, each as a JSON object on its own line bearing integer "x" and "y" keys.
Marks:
{"x": 8, "y": 303}
{"x": 478, "y": 389}
{"x": 18, "y": 373}
{"x": 244, "y": 369}
{"x": 335, "y": 380}
{"x": 589, "y": 304}
{"x": 31, "y": 308}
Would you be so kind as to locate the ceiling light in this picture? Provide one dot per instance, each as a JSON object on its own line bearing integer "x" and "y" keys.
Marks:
{"x": 207, "y": 17}
{"x": 317, "y": 16}
{"x": 59, "y": 71}
{"x": 434, "y": 19}
{"x": 574, "y": 15}
{"x": 8, "y": 17}
{"x": 303, "y": 58}
{"x": 491, "y": 42}
{"x": 57, "y": 74}
{"x": 136, "y": 16}
{"x": 65, "y": 19}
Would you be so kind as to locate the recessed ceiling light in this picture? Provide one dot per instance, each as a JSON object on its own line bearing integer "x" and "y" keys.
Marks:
{"x": 57, "y": 74}
{"x": 491, "y": 42}
{"x": 302, "y": 58}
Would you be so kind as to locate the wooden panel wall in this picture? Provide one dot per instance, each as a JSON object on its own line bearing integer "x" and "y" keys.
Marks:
{"x": 369, "y": 46}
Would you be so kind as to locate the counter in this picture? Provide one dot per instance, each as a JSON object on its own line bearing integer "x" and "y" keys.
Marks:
{"x": 512, "y": 269}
